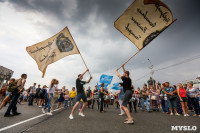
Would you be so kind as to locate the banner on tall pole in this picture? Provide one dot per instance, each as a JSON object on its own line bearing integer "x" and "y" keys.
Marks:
{"x": 53, "y": 49}
{"x": 143, "y": 21}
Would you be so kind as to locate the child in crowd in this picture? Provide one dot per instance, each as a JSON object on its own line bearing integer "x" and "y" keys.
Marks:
{"x": 66, "y": 99}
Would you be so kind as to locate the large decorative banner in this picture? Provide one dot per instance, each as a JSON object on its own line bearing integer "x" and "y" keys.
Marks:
{"x": 53, "y": 49}
{"x": 143, "y": 21}
{"x": 106, "y": 79}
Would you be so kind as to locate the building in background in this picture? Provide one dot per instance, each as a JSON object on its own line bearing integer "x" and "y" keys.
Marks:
{"x": 5, "y": 75}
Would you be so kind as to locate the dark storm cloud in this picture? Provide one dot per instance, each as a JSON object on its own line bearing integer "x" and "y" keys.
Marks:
{"x": 179, "y": 41}
{"x": 46, "y": 6}
{"x": 185, "y": 29}
{"x": 107, "y": 11}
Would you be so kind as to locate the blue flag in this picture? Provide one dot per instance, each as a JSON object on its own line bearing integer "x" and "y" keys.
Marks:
{"x": 115, "y": 86}
{"x": 106, "y": 79}
{"x": 98, "y": 86}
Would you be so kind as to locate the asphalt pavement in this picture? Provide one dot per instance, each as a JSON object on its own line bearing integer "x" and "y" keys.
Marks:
{"x": 93, "y": 122}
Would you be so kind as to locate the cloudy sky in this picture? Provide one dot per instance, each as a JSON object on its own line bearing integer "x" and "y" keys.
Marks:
{"x": 26, "y": 22}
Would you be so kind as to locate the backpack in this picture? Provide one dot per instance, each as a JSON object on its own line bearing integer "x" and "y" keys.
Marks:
{"x": 13, "y": 86}
{"x": 42, "y": 92}
{"x": 29, "y": 90}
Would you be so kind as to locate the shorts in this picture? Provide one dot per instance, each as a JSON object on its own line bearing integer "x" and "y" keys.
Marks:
{"x": 41, "y": 96}
{"x": 127, "y": 97}
{"x": 36, "y": 96}
{"x": 25, "y": 97}
{"x": 185, "y": 99}
{"x": 81, "y": 96}
{"x": 172, "y": 103}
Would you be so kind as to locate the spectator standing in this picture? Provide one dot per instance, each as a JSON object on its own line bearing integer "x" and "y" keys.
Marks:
{"x": 32, "y": 94}
{"x": 72, "y": 95}
{"x": 193, "y": 95}
{"x": 171, "y": 98}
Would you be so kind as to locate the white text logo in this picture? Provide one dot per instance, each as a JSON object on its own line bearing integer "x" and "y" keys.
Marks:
{"x": 183, "y": 128}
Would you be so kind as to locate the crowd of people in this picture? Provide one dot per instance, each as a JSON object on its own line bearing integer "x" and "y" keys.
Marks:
{"x": 174, "y": 100}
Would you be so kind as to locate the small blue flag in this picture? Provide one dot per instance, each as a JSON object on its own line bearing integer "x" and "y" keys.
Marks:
{"x": 115, "y": 86}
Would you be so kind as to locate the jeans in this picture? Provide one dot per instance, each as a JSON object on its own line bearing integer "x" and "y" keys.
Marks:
{"x": 195, "y": 103}
{"x": 49, "y": 102}
{"x": 172, "y": 103}
{"x": 147, "y": 104}
{"x": 138, "y": 101}
{"x": 164, "y": 105}
{"x": 66, "y": 103}
{"x": 31, "y": 99}
{"x": 71, "y": 102}
{"x": 13, "y": 104}
{"x": 190, "y": 106}
{"x": 93, "y": 102}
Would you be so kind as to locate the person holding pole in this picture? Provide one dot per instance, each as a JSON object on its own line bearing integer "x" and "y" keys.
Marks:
{"x": 80, "y": 94}
{"x": 127, "y": 93}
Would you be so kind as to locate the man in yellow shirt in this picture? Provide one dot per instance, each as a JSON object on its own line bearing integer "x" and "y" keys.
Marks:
{"x": 72, "y": 95}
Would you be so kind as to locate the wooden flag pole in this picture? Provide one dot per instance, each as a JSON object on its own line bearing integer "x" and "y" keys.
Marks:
{"x": 84, "y": 62}
{"x": 130, "y": 58}
{"x": 79, "y": 52}
{"x": 149, "y": 42}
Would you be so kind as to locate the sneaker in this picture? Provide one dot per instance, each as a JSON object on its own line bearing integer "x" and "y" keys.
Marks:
{"x": 171, "y": 114}
{"x": 121, "y": 114}
{"x": 49, "y": 113}
{"x": 129, "y": 122}
{"x": 177, "y": 114}
{"x": 195, "y": 115}
{"x": 71, "y": 117}
{"x": 81, "y": 114}
{"x": 43, "y": 110}
{"x": 16, "y": 113}
{"x": 187, "y": 115}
